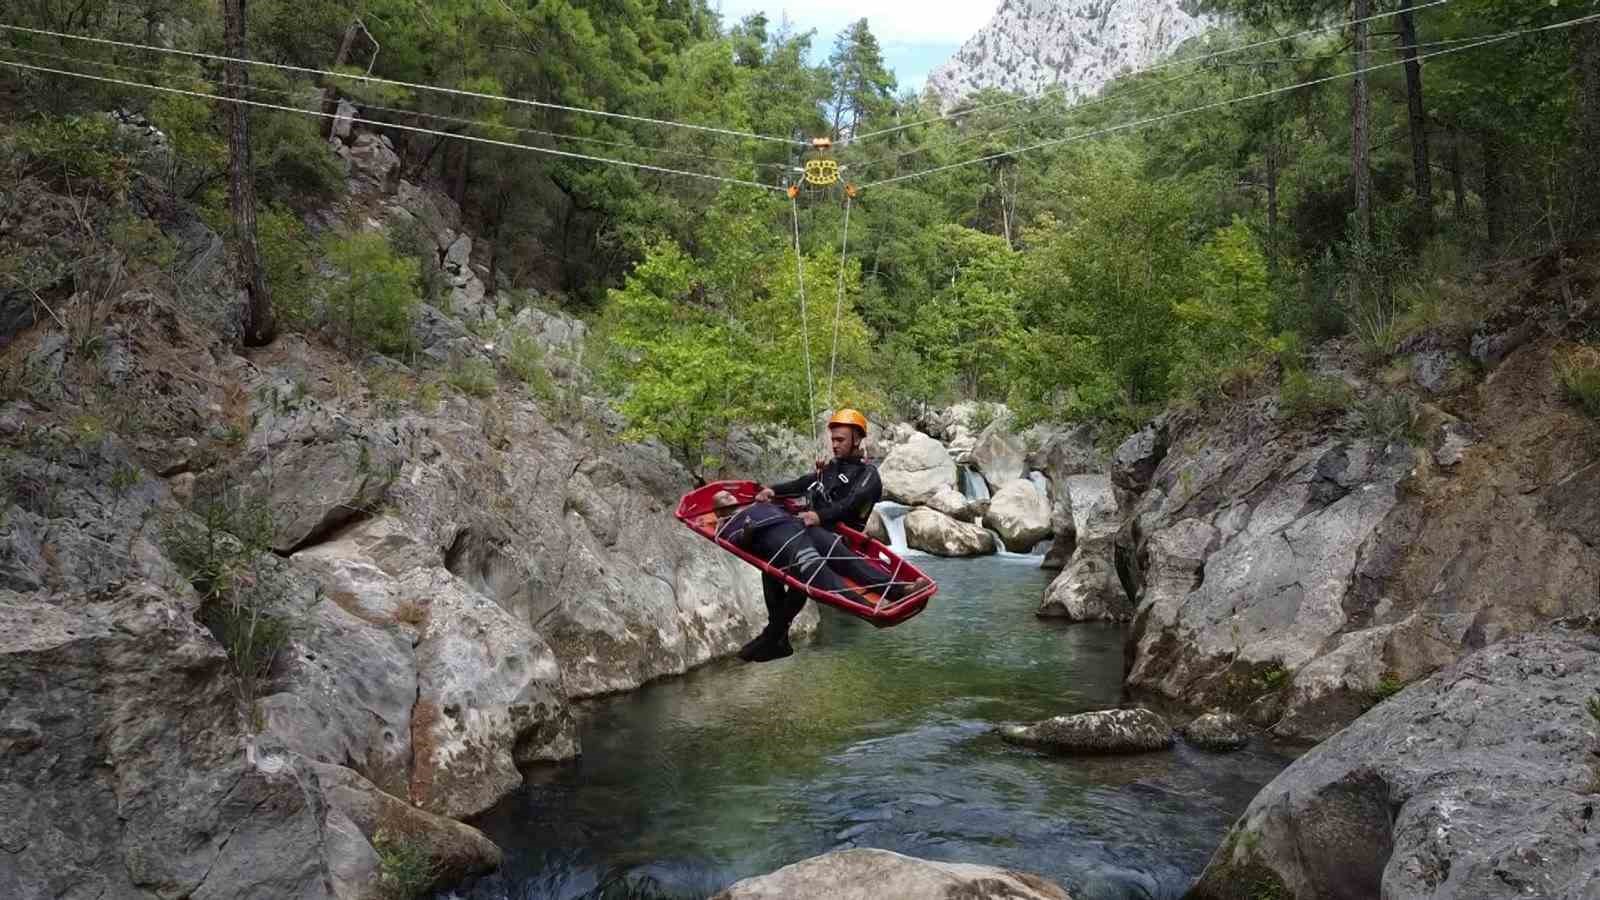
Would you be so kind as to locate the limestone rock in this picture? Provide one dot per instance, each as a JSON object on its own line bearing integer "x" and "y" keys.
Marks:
{"x": 372, "y": 159}
{"x": 916, "y": 470}
{"x": 1019, "y": 514}
{"x": 342, "y": 117}
{"x": 1135, "y": 462}
{"x": 999, "y": 454}
{"x": 1217, "y": 731}
{"x": 1477, "y": 782}
{"x": 955, "y": 504}
{"x": 459, "y": 254}
{"x": 1104, "y": 731}
{"x": 1087, "y": 590}
{"x": 934, "y": 532}
{"x": 878, "y": 874}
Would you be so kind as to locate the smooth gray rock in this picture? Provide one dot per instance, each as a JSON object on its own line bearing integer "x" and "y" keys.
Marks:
{"x": 1087, "y": 590}
{"x": 881, "y": 874}
{"x": 1136, "y": 459}
{"x": 342, "y": 117}
{"x": 956, "y": 505}
{"x": 1103, "y": 731}
{"x": 999, "y": 454}
{"x": 934, "y": 532}
{"x": 1477, "y": 782}
{"x": 916, "y": 470}
{"x": 1217, "y": 731}
{"x": 1020, "y": 514}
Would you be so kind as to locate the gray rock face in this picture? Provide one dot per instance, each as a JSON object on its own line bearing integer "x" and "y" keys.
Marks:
{"x": 1020, "y": 514}
{"x": 999, "y": 455}
{"x": 1104, "y": 731}
{"x": 879, "y": 874}
{"x": 1136, "y": 459}
{"x": 916, "y": 470}
{"x": 1284, "y": 575}
{"x": 934, "y": 532}
{"x": 1217, "y": 731}
{"x": 1477, "y": 782}
{"x": 1088, "y": 590}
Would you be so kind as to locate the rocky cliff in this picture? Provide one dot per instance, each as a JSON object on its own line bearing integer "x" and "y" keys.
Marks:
{"x": 1078, "y": 45}
{"x": 270, "y": 621}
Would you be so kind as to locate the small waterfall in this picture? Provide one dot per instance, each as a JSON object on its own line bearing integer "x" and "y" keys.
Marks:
{"x": 894, "y": 521}
{"x": 972, "y": 484}
{"x": 1042, "y": 548}
{"x": 1041, "y": 482}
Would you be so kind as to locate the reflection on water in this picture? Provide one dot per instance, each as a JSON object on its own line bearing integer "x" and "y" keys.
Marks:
{"x": 869, "y": 738}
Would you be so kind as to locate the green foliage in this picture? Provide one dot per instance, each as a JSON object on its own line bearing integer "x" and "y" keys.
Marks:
{"x": 406, "y": 870}
{"x": 1273, "y": 677}
{"x": 525, "y": 359}
{"x": 284, "y": 247}
{"x": 1388, "y": 686}
{"x": 473, "y": 377}
{"x": 377, "y": 302}
{"x": 1305, "y": 396}
{"x": 1389, "y": 418}
{"x": 222, "y": 552}
{"x": 292, "y": 160}
{"x": 1579, "y": 374}
{"x": 1594, "y": 708}
{"x": 75, "y": 148}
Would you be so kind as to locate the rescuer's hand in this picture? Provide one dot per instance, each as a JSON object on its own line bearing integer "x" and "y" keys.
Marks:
{"x": 810, "y": 518}
{"x": 764, "y": 495}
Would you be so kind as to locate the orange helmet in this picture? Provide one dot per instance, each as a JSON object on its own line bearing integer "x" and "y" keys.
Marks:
{"x": 849, "y": 417}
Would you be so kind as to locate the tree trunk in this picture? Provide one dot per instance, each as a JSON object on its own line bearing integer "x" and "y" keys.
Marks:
{"x": 1360, "y": 173}
{"x": 1494, "y": 204}
{"x": 330, "y": 97}
{"x": 458, "y": 182}
{"x": 1272, "y": 204}
{"x": 1458, "y": 178}
{"x": 1422, "y": 175}
{"x": 1587, "y": 109}
{"x": 259, "y": 328}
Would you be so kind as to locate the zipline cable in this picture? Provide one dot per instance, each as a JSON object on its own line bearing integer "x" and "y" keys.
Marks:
{"x": 1145, "y": 88}
{"x": 1155, "y": 68}
{"x": 1141, "y": 123}
{"x": 413, "y": 128}
{"x": 805, "y": 325}
{"x": 372, "y": 79}
{"x": 402, "y": 111}
{"x": 838, "y": 303}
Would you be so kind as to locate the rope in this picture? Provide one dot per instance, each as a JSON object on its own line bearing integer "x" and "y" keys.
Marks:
{"x": 419, "y": 130}
{"x": 1505, "y": 36}
{"x": 1155, "y": 68}
{"x": 805, "y": 324}
{"x": 439, "y": 117}
{"x": 838, "y": 303}
{"x": 304, "y": 70}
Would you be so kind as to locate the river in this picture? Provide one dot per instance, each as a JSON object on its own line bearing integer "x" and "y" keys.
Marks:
{"x": 873, "y": 738}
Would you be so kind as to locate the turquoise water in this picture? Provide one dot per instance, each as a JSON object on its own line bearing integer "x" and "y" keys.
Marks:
{"x": 873, "y": 738}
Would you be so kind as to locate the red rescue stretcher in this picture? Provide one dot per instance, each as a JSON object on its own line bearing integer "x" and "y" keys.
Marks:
{"x": 695, "y": 510}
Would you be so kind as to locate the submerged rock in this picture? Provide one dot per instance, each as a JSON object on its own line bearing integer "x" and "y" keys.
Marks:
{"x": 1477, "y": 782}
{"x": 880, "y": 874}
{"x": 1103, "y": 731}
{"x": 1217, "y": 731}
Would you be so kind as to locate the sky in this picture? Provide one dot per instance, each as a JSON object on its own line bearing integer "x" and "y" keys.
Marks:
{"x": 916, "y": 35}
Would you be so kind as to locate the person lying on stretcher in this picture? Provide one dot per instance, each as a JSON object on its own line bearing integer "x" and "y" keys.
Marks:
{"x": 772, "y": 533}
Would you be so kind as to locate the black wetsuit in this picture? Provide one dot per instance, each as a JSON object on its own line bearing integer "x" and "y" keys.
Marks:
{"x": 774, "y": 534}
{"x": 844, "y": 492}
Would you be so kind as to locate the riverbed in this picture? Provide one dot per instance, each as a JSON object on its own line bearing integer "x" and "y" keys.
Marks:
{"x": 873, "y": 738}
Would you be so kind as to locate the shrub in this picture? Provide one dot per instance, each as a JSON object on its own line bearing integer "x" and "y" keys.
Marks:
{"x": 1388, "y": 686}
{"x": 1305, "y": 396}
{"x": 982, "y": 416}
{"x": 76, "y": 147}
{"x": 525, "y": 360}
{"x": 405, "y": 869}
{"x": 284, "y": 246}
{"x": 292, "y": 160}
{"x": 222, "y": 556}
{"x": 473, "y": 377}
{"x": 378, "y": 301}
{"x": 1579, "y": 373}
{"x": 1390, "y": 418}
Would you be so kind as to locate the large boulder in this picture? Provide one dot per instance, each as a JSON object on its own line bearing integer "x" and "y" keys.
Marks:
{"x": 1020, "y": 514}
{"x": 1136, "y": 459}
{"x": 916, "y": 470}
{"x": 1286, "y": 574}
{"x": 934, "y": 532}
{"x": 1476, "y": 782}
{"x": 1088, "y": 589}
{"x": 1103, "y": 731}
{"x": 999, "y": 454}
{"x": 957, "y": 505}
{"x": 879, "y": 874}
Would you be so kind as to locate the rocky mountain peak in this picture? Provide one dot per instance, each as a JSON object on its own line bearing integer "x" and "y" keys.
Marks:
{"x": 1032, "y": 45}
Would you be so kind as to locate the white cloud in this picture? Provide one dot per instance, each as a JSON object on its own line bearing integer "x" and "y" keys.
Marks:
{"x": 893, "y": 21}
